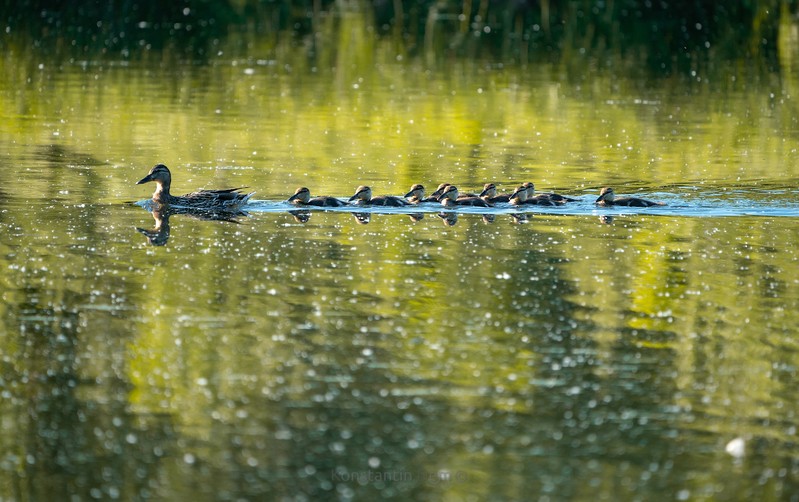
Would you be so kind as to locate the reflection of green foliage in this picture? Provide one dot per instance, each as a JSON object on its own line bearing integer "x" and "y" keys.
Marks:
{"x": 678, "y": 35}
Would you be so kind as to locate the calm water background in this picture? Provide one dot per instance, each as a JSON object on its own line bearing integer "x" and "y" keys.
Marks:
{"x": 568, "y": 356}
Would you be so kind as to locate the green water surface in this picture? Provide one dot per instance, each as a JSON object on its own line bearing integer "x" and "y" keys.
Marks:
{"x": 563, "y": 357}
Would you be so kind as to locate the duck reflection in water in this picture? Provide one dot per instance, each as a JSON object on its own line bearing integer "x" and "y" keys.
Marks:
{"x": 362, "y": 218}
{"x": 159, "y": 234}
{"x": 520, "y": 218}
{"x": 449, "y": 219}
{"x": 301, "y": 215}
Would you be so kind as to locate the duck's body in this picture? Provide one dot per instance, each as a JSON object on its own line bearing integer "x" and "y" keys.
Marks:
{"x": 520, "y": 198}
{"x": 489, "y": 194}
{"x": 230, "y": 199}
{"x": 302, "y": 197}
{"x": 554, "y": 197}
{"x": 416, "y": 195}
{"x": 363, "y": 197}
{"x": 608, "y": 198}
{"x": 449, "y": 198}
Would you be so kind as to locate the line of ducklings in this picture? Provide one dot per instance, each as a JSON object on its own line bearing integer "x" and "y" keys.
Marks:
{"x": 232, "y": 199}
{"x": 448, "y": 196}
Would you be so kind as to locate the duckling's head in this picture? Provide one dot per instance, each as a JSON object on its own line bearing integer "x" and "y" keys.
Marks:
{"x": 519, "y": 195}
{"x": 417, "y": 191}
{"x": 489, "y": 190}
{"x": 451, "y": 193}
{"x": 301, "y": 196}
{"x": 439, "y": 191}
{"x": 605, "y": 195}
{"x": 159, "y": 173}
{"x": 363, "y": 193}
{"x": 530, "y": 188}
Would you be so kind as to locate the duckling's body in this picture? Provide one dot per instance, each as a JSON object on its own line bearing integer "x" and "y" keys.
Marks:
{"x": 519, "y": 198}
{"x": 489, "y": 194}
{"x": 608, "y": 198}
{"x": 439, "y": 193}
{"x": 555, "y": 197}
{"x": 416, "y": 195}
{"x": 229, "y": 199}
{"x": 449, "y": 198}
{"x": 363, "y": 197}
{"x": 302, "y": 197}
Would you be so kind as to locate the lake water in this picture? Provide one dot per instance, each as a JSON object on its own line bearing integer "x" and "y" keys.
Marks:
{"x": 572, "y": 353}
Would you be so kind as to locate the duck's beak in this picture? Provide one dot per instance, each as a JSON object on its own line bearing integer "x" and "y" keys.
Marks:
{"x": 353, "y": 197}
{"x": 292, "y": 198}
{"x": 409, "y": 193}
{"x": 515, "y": 193}
{"x": 599, "y": 199}
{"x": 483, "y": 193}
{"x": 146, "y": 179}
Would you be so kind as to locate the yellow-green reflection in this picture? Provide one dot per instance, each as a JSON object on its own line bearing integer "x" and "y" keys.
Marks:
{"x": 276, "y": 355}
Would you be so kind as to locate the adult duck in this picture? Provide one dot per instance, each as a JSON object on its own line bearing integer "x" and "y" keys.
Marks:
{"x": 229, "y": 199}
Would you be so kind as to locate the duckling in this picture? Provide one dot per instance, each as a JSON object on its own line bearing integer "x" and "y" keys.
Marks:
{"x": 519, "y": 197}
{"x": 450, "y": 198}
{"x": 416, "y": 195}
{"x": 489, "y": 194}
{"x": 229, "y": 199}
{"x": 363, "y": 196}
{"x": 302, "y": 197}
{"x": 440, "y": 191}
{"x": 552, "y": 196}
{"x": 608, "y": 198}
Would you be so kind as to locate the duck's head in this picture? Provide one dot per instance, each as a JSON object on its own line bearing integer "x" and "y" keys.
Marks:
{"x": 159, "y": 173}
{"x": 417, "y": 191}
{"x": 301, "y": 195}
{"x": 489, "y": 190}
{"x": 451, "y": 193}
{"x": 519, "y": 195}
{"x": 606, "y": 194}
{"x": 363, "y": 193}
{"x": 439, "y": 191}
{"x": 530, "y": 188}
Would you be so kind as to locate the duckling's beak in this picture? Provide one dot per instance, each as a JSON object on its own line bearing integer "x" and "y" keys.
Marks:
{"x": 293, "y": 197}
{"x": 515, "y": 193}
{"x": 409, "y": 193}
{"x": 484, "y": 192}
{"x": 353, "y": 197}
{"x": 146, "y": 179}
{"x": 599, "y": 199}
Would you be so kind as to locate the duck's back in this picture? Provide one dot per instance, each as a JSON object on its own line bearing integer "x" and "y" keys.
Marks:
{"x": 472, "y": 201}
{"x": 388, "y": 200}
{"x": 326, "y": 202}
{"x": 635, "y": 202}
